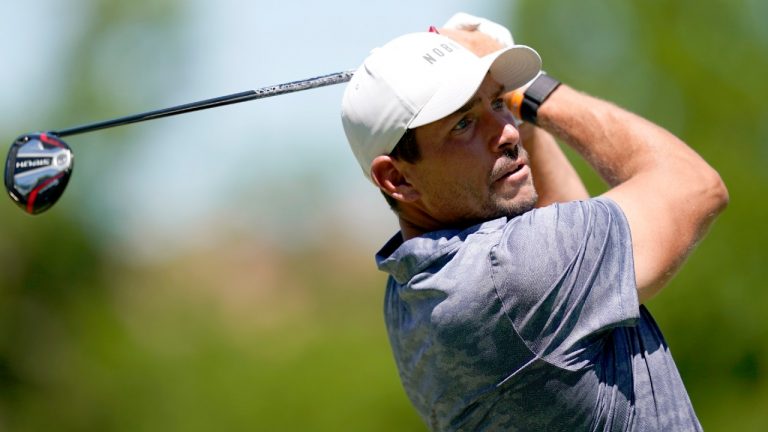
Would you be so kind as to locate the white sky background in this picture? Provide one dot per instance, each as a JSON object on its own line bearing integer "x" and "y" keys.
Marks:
{"x": 277, "y": 169}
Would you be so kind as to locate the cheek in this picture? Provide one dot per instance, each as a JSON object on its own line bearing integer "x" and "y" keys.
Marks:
{"x": 459, "y": 171}
{"x": 453, "y": 186}
{"x": 449, "y": 171}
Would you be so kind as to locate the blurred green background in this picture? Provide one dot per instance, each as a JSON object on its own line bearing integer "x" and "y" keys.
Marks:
{"x": 124, "y": 311}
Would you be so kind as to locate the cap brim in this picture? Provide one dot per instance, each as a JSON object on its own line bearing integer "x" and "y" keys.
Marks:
{"x": 511, "y": 67}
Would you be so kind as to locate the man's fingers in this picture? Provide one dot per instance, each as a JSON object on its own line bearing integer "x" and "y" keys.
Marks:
{"x": 475, "y": 41}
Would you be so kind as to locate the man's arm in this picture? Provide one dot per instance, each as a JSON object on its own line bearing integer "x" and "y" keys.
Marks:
{"x": 553, "y": 175}
{"x": 668, "y": 193}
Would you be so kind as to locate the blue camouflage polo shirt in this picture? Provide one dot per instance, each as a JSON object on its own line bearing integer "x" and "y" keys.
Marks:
{"x": 531, "y": 324}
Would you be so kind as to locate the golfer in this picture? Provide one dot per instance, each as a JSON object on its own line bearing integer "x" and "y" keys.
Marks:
{"x": 514, "y": 300}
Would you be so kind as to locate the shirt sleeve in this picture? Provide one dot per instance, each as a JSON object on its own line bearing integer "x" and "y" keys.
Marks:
{"x": 565, "y": 276}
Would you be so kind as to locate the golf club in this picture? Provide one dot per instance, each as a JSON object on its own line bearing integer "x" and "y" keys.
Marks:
{"x": 39, "y": 165}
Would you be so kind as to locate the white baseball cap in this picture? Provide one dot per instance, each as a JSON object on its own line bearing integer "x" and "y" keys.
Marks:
{"x": 416, "y": 79}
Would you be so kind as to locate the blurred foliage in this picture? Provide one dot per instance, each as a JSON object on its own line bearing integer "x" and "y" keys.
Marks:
{"x": 251, "y": 337}
{"x": 248, "y": 337}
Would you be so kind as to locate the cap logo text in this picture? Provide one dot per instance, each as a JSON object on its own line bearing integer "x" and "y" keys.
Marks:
{"x": 442, "y": 50}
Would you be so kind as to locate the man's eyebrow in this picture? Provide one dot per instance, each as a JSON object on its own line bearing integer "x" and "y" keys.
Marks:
{"x": 468, "y": 106}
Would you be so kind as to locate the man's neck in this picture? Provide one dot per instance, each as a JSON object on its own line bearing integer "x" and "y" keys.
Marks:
{"x": 409, "y": 230}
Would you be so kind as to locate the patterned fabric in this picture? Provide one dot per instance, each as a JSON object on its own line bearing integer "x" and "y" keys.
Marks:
{"x": 530, "y": 324}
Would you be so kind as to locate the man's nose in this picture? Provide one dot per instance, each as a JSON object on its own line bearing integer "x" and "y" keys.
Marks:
{"x": 507, "y": 134}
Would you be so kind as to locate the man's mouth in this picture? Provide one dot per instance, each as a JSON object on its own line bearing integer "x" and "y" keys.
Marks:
{"x": 510, "y": 172}
{"x": 519, "y": 167}
{"x": 513, "y": 164}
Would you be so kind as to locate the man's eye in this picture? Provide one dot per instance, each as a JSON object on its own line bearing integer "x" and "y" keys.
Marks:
{"x": 498, "y": 104}
{"x": 462, "y": 124}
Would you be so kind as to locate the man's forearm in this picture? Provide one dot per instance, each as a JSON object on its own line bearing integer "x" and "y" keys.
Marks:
{"x": 668, "y": 193}
{"x": 616, "y": 143}
{"x": 555, "y": 178}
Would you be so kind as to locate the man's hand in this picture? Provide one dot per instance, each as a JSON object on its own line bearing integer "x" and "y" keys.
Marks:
{"x": 479, "y": 43}
{"x": 464, "y": 21}
{"x": 479, "y": 35}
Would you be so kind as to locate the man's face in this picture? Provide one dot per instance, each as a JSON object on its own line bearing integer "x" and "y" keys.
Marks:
{"x": 473, "y": 167}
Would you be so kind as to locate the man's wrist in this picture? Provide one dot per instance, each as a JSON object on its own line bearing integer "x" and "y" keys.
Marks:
{"x": 534, "y": 96}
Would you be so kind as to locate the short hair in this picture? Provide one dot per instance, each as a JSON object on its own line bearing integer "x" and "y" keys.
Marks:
{"x": 406, "y": 150}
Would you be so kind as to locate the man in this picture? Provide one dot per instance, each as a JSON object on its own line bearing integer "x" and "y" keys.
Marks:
{"x": 509, "y": 306}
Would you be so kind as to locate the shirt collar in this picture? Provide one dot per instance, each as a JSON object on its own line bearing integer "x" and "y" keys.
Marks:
{"x": 404, "y": 259}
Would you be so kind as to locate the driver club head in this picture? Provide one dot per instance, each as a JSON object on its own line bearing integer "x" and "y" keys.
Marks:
{"x": 37, "y": 171}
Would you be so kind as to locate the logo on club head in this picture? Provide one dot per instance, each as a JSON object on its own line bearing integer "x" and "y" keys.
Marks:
{"x": 37, "y": 170}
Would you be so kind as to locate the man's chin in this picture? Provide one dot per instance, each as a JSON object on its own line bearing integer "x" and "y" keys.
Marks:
{"x": 518, "y": 206}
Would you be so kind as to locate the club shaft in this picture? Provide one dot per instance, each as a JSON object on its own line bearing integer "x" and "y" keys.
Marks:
{"x": 264, "y": 92}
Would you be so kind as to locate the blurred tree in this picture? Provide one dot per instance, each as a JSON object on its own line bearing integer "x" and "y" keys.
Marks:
{"x": 237, "y": 338}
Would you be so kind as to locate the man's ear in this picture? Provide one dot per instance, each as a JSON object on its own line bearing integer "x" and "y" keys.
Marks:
{"x": 387, "y": 174}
